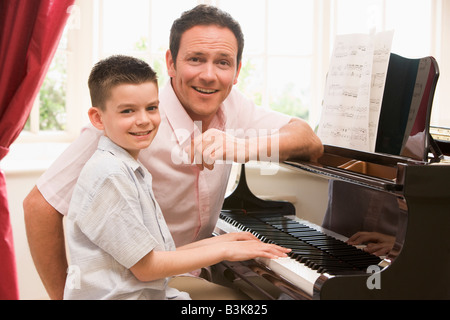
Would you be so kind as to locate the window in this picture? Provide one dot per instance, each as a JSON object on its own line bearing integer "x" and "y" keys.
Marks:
{"x": 49, "y": 110}
{"x": 286, "y": 54}
{"x": 139, "y": 28}
{"x": 277, "y": 66}
{"x": 50, "y": 118}
{"x": 419, "y": 28}
{"x": 278, "y": 61}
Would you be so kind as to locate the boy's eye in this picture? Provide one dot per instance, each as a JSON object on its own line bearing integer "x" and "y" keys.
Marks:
{"x": 126, "y": 111}
{"x": 152, "y": 108}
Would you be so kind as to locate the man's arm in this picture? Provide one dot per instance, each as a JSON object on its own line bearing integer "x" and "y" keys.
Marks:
{"x": 295, "y": 140}
{"x": 298, "y": 141}
{"x": 44, "y": 227}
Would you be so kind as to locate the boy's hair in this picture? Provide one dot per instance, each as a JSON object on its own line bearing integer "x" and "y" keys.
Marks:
{"x": 116, "y": 70}
{"x": 204, "y": 15}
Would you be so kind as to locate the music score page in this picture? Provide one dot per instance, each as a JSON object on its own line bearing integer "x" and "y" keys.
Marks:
{"x": 354, "y": 90}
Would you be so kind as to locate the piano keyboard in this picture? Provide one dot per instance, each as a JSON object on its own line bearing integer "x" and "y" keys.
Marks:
{"x": 313, "y": 254}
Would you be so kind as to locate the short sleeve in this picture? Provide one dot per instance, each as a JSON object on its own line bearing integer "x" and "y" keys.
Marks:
{"x": 251, "y": 116}
{"x": 111, "y": 217}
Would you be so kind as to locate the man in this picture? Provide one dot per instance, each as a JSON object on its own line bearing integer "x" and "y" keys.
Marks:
{"x": 199, "y": 111}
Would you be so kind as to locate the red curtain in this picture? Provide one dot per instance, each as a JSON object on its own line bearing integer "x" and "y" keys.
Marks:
{"x": 29, "y": 35}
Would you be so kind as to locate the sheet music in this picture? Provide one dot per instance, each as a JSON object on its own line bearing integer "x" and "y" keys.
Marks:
{"x": 354, "y": 90}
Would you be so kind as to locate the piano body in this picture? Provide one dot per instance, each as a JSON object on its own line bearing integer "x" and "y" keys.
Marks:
{"x": 397, "y": 190}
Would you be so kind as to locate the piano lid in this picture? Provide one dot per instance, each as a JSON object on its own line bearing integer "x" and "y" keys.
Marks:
{"x": 404, "y": 123}
{"x": 403, "y": 135}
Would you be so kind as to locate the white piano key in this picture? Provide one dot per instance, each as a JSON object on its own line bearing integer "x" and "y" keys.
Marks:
{"x": 293, "y": 271}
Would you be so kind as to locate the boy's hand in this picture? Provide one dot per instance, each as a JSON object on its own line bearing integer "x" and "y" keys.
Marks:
{"x": 236, "y": 236}
{"x": 251, "y": 249}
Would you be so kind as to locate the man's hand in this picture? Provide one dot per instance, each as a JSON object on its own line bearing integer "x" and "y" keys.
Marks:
{"x": 215, "y": 145}
{"x": 376, "y": 243}
{"x": 295, "y": 140}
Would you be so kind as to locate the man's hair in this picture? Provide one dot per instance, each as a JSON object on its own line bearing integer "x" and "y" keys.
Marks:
{"x": 116, "y": 70}
{"x": 204, "y": 15}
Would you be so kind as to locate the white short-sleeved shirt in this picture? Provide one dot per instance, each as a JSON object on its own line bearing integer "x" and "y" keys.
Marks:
{"x": 113, "y": 222}
{"x": 190, "y": 198}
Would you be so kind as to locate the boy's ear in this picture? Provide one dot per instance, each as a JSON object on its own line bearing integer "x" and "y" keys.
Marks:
{"x": 95, "y": 116}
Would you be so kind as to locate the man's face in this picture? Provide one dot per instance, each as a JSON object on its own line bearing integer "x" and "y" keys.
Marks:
{"x": 205, "y": 71}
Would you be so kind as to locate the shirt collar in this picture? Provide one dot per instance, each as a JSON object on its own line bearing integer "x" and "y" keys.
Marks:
{"x": 182, "y": 125}
{"x": 106, "y": 144}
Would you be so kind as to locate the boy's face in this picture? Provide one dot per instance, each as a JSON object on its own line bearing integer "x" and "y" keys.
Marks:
{"x": 131, "y": 116}
{"x": 205, "y": 71}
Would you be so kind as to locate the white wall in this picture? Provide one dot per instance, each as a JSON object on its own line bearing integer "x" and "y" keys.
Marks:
{"x": 18, "y": 185}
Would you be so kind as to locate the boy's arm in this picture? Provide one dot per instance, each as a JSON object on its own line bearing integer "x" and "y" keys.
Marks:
{"x": 44, "y": 228}
{"x": 161, "y": 264}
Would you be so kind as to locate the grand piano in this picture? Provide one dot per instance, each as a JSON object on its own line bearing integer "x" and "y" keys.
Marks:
{"x": 400, "y": 190}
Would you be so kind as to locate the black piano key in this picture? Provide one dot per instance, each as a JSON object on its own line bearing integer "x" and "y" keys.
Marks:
{"x": 309, "y": 246}
{"x": 295, "y": 246}
{"x": 306, "y": 253}
{"x": 302, "y": 234}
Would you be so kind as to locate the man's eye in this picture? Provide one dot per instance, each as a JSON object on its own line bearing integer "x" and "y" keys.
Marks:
{"x": 224, "y": 64}
{"x": 152, "y": 108}
{"x": 194, "y": 60}
{"x": 126, "y": 111}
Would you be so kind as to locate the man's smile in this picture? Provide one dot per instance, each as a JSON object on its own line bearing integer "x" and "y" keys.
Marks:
{"x": 205, "y": 91}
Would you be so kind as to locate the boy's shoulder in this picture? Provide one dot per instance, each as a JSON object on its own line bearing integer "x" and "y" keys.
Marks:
{"x": 101, "y": 170}
{"x": 103, "y": 165}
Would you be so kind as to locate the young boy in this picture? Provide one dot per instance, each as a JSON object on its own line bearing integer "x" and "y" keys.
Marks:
{"x": 120, "y": 246}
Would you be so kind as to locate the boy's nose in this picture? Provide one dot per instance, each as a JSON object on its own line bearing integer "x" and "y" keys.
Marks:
{"x": 142, "y": 118}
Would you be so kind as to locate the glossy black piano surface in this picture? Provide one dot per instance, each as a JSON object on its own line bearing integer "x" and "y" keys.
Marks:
{"x": 392, "y": 191}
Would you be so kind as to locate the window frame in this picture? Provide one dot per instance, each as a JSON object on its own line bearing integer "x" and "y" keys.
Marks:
{"x": 84, "y": 49}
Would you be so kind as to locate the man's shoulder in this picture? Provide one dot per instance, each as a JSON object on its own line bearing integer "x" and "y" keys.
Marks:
{"x": 237, "y": 98}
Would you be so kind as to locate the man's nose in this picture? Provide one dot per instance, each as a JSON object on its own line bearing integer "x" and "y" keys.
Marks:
{"x": 208, "y": 72}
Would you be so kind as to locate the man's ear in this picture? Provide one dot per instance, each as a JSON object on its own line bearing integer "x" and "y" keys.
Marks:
{"x": 95, "y": 116}
{"x": 237, "y": 73}
{"x": 170, "y": 64}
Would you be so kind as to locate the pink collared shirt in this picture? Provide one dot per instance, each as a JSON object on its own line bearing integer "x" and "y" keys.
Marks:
{"x": 190, "y": 198}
